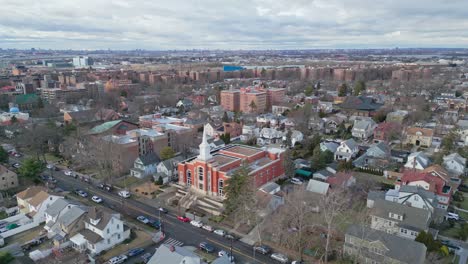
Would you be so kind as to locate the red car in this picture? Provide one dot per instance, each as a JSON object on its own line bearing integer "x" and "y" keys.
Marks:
{"x": 183, "y": 219}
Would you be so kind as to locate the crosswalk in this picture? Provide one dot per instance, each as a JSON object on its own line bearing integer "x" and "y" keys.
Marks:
{"x": 173, "y": 242}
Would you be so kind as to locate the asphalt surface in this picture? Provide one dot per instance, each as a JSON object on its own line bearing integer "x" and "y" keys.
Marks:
{"x": 172, "y": 227}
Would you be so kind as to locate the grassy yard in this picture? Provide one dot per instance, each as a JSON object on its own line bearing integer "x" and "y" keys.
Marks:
{"x": 128, "y": 181}
{"x": 362, "y": 176}
{"x": 141, "y": 240}
{"x": 451, "y": 232}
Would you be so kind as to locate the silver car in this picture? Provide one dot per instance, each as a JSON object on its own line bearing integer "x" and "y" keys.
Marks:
{"x": 279, "y": 257}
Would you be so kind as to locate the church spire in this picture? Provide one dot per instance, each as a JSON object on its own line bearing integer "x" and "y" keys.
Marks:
{"x": 204, "y": 147}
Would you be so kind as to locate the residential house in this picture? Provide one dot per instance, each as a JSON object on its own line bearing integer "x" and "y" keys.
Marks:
{"x": 325, "y": 107}
{"x": 270, "y": 136}
{"x": 428, "y": 182}
{"x": 296, "y": 137}
{"x": 249, "y": 132}
{"x": 418, "y": 136}
{"x": 341, "y": 180}
{"x": 145, "y": 165}
{"x": 332, "y": 123}
{"x": 169, "y": 254}
{"x": 374, "y": 246}
{"x": 167, "y": 169}
{"x": 185, "y": 103}
{"x": 8, "y": 178}
{"x": 329, "y": 145}
{"x": 377, "y": 157}
{"x": 324, "y": 174}
{"x": 399, "y": 219}
{"x": 414, "y": 196}
{"x": 455, "y": 164}
{"x": 63, "y": 220}
{"x": 102, "y": 231}
{"x": 387, "y": 131}
{"x": 316, "y": 123}
{"x": 363, "y": 128}
{"x": 348, "y": 149}
{"x": 34, "y": 201}
{"x": 359, "y": 106}
{"x": 417, "y": 160}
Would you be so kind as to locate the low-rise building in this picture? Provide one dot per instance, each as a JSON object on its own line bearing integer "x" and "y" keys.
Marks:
{"x": 8, "y": 178}
{"x": 455, "y": 164}
{"x": 348, "y": 149}
{"x": 363, "y": 128}
{"x": 418, "y": 136}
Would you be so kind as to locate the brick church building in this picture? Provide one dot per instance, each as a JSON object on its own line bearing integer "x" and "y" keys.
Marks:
{"x": 208, "y": 172}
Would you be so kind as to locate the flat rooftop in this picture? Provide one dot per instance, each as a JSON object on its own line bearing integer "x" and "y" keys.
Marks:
{"x": 243, "y": 150}
{"x": 221, "y": 160}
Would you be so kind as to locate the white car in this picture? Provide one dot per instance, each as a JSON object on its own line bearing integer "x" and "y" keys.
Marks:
{"x": 69, "y": 173}
{"x": 208, "y": 228}
{"x": 118, "y": 259}
{"x": 124, "y": 194}
{"x": 224, "y": 253}
{"x": 296, "y": 181}
{"x": 50, "y": 166}
{"x": 220, "y": 232}
{"x": 143, "y": 219}
{"x": 196, "y": 223}
{"x": 96, "y": 199}
{"x": 279, "y": 257}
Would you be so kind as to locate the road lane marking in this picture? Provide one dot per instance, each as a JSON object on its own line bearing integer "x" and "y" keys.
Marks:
{"x": 234, "y": 250}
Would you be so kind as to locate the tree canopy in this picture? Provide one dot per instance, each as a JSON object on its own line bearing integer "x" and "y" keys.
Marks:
{"x": 3, "y": 155}
{"x": 238, "y": 189}
{"x": 359, "y": 87}
{"x": 343, "y": 90}
{"x": 167, "y": 153}
{"x": 31, "y": 168}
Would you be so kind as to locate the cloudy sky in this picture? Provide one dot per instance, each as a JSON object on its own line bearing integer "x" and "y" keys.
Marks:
{"x": 232, "y": 24}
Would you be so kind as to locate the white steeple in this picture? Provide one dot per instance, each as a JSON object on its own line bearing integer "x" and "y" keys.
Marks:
{"x": 204, "y": 147}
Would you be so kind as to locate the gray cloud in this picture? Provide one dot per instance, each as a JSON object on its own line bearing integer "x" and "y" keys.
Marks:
{"x": 233, "y": 24}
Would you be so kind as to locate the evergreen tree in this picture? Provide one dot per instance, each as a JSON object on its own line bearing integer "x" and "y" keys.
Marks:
{"x": 3, "y": 155}
{"x": 225, "y": 117}
{"x": 343, "y": 90}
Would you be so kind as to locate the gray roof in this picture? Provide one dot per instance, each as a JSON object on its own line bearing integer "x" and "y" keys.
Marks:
{"x": 413, "y": 218}
{"x": 376, "y": 195}
{"x": 317, "y": 187}
{"x": 351, "y": 143}
{"x": 150, "y": 158}
{"x": 56, "y": 207}
{"x": 401, "y": 249}
{"x": 363, "y": 124}
{"x": 72, "y": 214}
{"x": 164, "y": 255}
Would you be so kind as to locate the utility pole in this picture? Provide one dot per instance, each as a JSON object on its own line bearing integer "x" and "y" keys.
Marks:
{"x": 230, "y": 254}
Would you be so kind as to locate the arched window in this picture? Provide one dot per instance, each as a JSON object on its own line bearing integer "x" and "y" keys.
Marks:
{"x": 208, "y": 180}
{"x": 200, "y": 178}
{"x": 189, "y": 177}
{"x": 220, "y": 187}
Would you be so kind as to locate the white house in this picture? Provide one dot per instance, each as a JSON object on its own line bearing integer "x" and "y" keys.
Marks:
{"x": 145, "y": 165}
{"x": 347, "y": 150}
{"x": 296, "y": 137}
{"x": 34, "y": 201}
{"x": 363, "y": 128}
{"x": 270, "y": 136}
{"x": 455, "y": 163}
{"x": 103, "y": 230}
{"x": 413, "y": 196}
{"x": 169, "y": 254}
{"x": 417, "y": 160}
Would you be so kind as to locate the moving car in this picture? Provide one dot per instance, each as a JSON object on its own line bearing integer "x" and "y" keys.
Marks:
{"x": 135, "y": 252}
{"x": 279, "y": 257}
{"x": 163, "y": 210}
{"x": 231, "y": 237}
{"x": 96, "y": 199}
{"x": 196, "y": 223}
{"x": 262, "y": 249}
{"x": 208, "y": 228}
{"x": 220, "y": 232}
{"x": 118, "y": 259}
{"x": 124, "y": 194}
{"x": 183, "y": 219}
{"x": 204, "y": 246}
{"x": 143, "y": 219}
{"x": 105, "y": 187}
{"x": 296, "y": 181}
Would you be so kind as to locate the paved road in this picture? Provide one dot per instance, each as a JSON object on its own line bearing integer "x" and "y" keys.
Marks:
{"x": 184, "y": 232}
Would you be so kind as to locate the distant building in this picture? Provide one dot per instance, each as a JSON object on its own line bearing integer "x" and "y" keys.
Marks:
{"x": 418, "y": 136}
{"x": 8, "y": 178}
{"x": 82, "y": 62}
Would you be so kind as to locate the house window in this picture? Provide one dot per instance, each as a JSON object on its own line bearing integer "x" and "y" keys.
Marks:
{"x": 209, "y": 181}
{"x": 220, "y": 187}
{"x": 404, "y": 231}
{"x": 108, "y": 241}
{"x": 118, "y": 236}
{"x": 416, "y": 198}
{"x": 189, "y": 177}
{"x": 118, "y": 226}
{"x": 108, "y": 231}
{"x": 200, "y": 178}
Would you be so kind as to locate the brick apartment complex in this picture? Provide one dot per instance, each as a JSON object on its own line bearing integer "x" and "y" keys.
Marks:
{"x": 208, "y": 172}
{"x": 241, "y": 100}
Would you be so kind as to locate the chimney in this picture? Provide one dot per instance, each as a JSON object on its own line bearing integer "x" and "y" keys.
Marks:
{"x": 172, "y": 248}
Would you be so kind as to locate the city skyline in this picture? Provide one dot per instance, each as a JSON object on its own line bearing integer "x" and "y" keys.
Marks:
{"x": 257, "y": 24}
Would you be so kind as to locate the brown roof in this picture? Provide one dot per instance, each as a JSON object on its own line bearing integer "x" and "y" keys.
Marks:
{"x": 30, "y": 192}
{"x": 426, "y": 132}
{"x": 90, "y": 236}
{"x": 38, "y": 198}
{"x": 438, "y": 170}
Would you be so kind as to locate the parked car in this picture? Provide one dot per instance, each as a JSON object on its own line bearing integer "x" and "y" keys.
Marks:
{"x": 262, "y": 249}
{"x": 17, "y": 155}
{"x": 118, "y": 259}
{"x": 452, "y": 216}
{"x": 50, "y": 166}
{"x": 82, "y": 193}
{"x": 183, "y": 219}
{"x": 52, "y": 180}
{"x": 196, "y": 223}
{"x": 220, "y": 232}
{"x": 16, "y": 165}
{"x": 297, "y": 262}
{"x": 208, "y": 228}
{"x": 231, "y": 237}
{"x": 163, "y": 210}
{"x": 143, "y": 219}
{"x": 146, "y": 257}
{"x": 224, "y": 253}
{"x": 206, "y": 247}
{"x": 96, "y": 199}
{"x": 279, "y": 257}
{"x": 69, "y": 173}
{"x": 135, "y": 252}
{"x": 105, "y": 187}
{"x": 155, "y": 223}
{"x": 296, "y": 181}
{"x": 124, "y": 194}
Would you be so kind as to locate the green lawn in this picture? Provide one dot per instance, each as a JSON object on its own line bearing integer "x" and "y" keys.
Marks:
{"x": 362, "y": 176}
{"x": 451, "y": 232}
